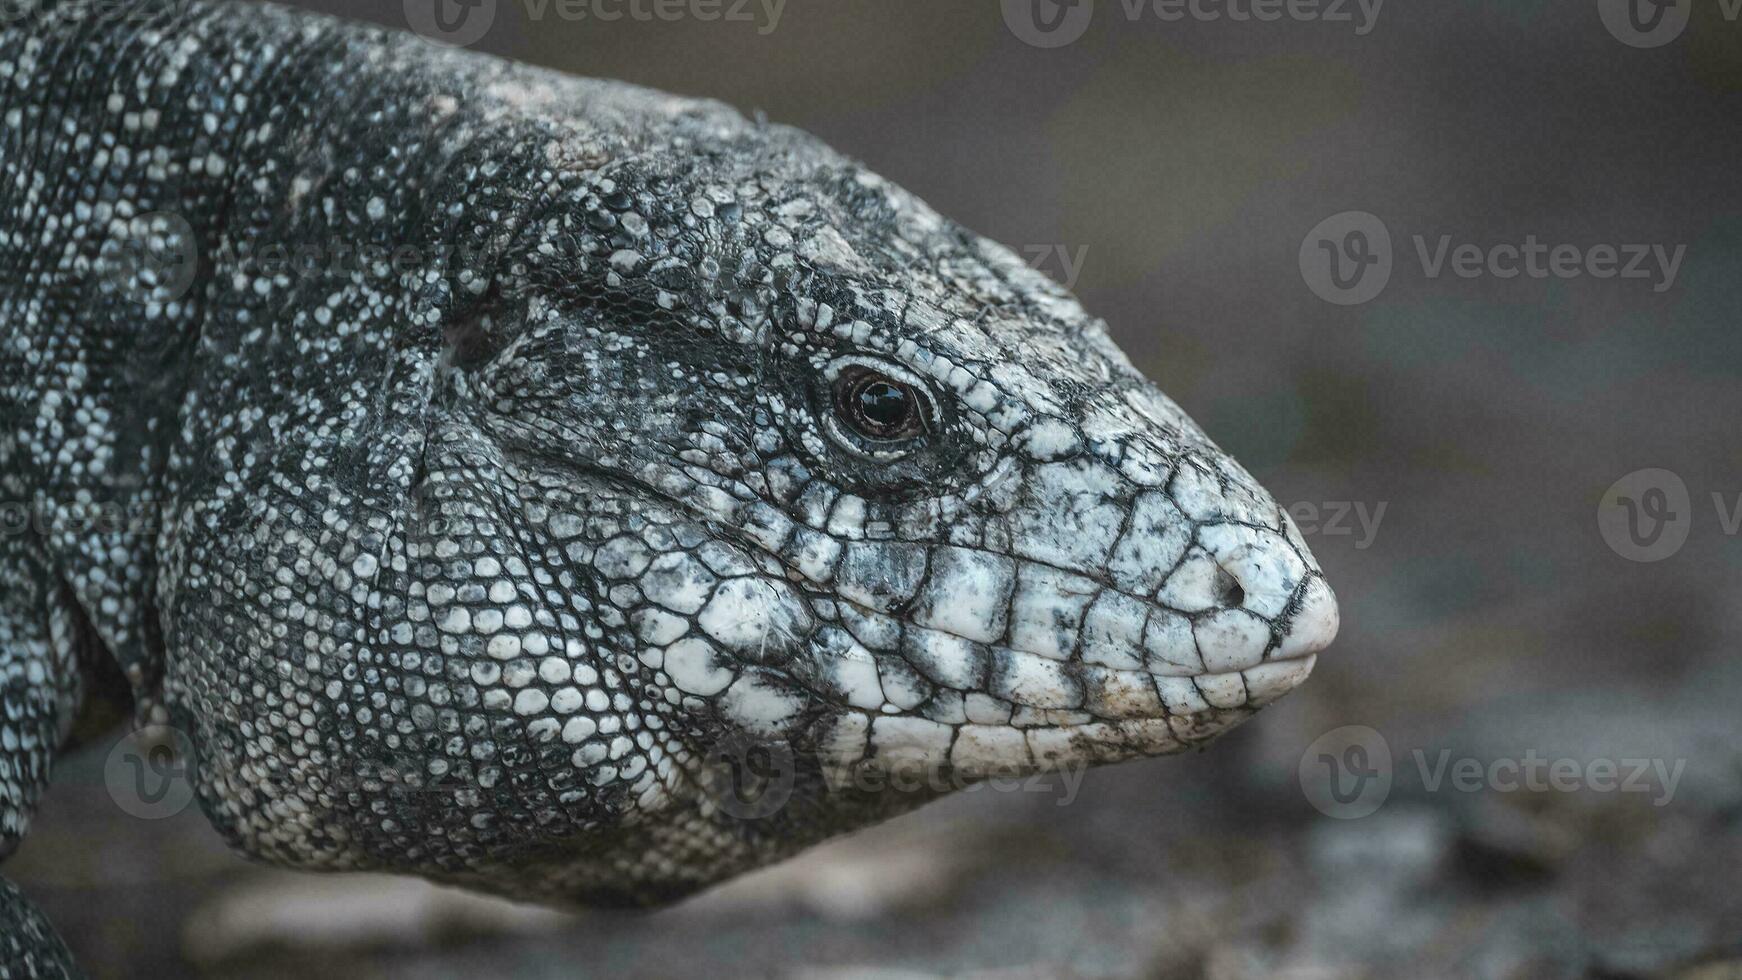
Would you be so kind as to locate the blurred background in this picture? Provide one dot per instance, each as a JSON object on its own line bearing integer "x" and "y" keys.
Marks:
{"x": 1513, "y": 588}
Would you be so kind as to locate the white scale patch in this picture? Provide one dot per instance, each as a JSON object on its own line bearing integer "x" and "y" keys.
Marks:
{"x": 967, "y": 594}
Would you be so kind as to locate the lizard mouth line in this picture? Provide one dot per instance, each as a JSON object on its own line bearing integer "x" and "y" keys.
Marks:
{"x": 1134, "y": 683}
{"x": 1168, "y": 687}
{"x": 797, "y": 576}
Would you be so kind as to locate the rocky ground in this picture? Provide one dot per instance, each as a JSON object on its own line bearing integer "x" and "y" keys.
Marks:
{"x": 1213, "y": 865}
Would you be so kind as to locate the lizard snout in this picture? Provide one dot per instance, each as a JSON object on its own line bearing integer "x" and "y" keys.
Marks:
{"x": 1258, "y": 604}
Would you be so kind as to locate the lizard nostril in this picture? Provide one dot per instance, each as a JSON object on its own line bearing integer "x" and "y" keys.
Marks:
{"x": 1229, "y": 592}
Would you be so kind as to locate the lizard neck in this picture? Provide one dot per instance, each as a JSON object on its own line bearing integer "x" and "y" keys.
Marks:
{"x": 117, "y": 176}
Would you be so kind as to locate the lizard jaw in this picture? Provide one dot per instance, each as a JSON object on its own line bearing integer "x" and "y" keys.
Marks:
{"x": 1217, "y": 610}
{"x": 1097, "y": 715}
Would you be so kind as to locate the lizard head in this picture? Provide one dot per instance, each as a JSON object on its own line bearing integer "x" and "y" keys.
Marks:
{"x": 721, "y": 456}
{"x": 798, "y": 463}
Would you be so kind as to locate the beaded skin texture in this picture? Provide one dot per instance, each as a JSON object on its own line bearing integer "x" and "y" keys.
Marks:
{"x": 475, "y": 487}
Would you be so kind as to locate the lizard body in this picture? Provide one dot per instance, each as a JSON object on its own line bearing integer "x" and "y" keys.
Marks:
{"x": 494, "y": 446}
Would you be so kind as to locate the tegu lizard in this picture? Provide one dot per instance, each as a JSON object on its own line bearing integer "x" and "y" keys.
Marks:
{"x": 459, "y": 454}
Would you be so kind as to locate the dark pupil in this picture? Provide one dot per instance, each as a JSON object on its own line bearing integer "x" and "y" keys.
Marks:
{"x": 884, "y": 405}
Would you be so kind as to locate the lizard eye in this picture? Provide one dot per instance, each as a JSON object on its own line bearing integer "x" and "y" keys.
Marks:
{"x": 878, "y": 409}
